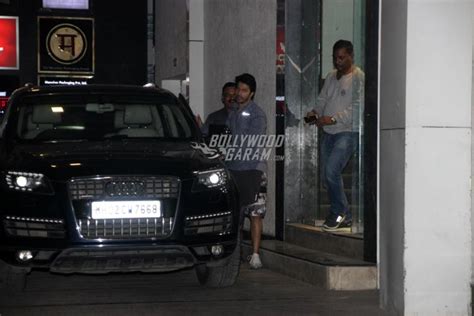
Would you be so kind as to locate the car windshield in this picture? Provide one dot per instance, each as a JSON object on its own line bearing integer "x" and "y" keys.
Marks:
{"x": 95, "y": 118}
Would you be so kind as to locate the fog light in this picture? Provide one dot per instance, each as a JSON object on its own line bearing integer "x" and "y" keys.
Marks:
{"x": 24, "y": 255}
{"x": 217, "y": 250}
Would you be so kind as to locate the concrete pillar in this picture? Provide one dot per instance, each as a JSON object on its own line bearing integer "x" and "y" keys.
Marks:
{"x": 196, "y": 56}
{"x": 425, "y": 157}
{"x": 240, "y": 36}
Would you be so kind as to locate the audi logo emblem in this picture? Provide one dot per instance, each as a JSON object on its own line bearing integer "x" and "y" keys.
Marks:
{"x": 124, "y": 188}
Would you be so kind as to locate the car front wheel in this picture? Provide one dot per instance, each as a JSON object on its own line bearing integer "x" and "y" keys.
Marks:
{"x": 12, "y": 279}
{"x": 220, "y": 276}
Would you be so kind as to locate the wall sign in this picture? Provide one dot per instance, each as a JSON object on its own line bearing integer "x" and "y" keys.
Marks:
{"x": 64, "y": 80}
{"x": 66, "y": 4}
{"x": 3, "y": 103}
{"x": 65, "y": 45}
{"x": 9, "y": 51}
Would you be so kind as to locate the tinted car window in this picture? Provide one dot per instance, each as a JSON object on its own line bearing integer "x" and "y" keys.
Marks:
{"x": 48, "y": 119}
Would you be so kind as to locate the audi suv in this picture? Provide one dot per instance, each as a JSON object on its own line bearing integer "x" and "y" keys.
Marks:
{"x": 101, "y": 179}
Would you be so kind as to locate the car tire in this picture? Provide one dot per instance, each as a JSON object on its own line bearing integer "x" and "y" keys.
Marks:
{"x": 12, "y": 279}
{"x": 220, "y": 276}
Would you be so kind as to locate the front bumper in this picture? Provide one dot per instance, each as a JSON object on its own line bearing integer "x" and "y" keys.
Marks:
{"x": 53, "y": 229}
{"x": 143, "y": 259}
{"x": 100, "y": 259}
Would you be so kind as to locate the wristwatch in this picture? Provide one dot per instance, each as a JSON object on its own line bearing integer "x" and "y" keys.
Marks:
{"x": 333, "y": 120}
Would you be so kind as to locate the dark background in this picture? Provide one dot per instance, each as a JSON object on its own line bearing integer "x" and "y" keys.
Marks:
{"x": 120, "y": 40}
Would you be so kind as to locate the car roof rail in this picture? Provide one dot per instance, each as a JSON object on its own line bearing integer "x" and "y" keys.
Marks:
{"x": 29, "y": 85}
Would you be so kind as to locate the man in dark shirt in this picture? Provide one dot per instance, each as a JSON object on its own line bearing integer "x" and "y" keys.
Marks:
{"x": 248, "y": 119}
{"x": 219, "y": 117}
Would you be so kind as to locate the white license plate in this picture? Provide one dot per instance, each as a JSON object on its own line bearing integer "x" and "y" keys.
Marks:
{"x": 125, "y": 209}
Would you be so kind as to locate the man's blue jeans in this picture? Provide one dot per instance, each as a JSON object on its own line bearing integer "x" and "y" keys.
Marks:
{"x": 336, "y": 151}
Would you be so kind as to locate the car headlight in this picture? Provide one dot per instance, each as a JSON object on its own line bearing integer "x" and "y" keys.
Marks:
{"x": 210, "y": 179}
{"x": 28, "y": 182}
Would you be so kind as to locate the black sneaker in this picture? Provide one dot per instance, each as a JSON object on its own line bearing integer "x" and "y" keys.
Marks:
{"x": 337, "y": 223}
{"x": 333, "y": 221}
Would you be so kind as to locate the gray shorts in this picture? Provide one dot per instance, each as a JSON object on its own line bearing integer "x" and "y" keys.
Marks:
{"x": 259, "y": 208}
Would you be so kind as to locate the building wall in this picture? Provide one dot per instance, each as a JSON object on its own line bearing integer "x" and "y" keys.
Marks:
{"x": 438, "y": 165}
{"x": 425, "y": 157}
{"x": 226, "y": 38}
{"x": 197, "y": 82}
{"x": 121, "y": 42}
{"x": 337, "y": 23}
{"x": 472, "y": 159}
{"x": 120, "y": 39}
{"x": 392, "y": 152}
{"x": 240, "y": 36}
{"x": 171, "y": 39}
{"x": 342, "y": 19}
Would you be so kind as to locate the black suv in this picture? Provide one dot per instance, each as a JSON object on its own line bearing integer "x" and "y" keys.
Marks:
{"x": 100, "y": 179}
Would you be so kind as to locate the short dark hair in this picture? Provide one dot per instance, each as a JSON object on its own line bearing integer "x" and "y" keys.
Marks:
{"x": 344, "y": 44}
{"x": 229, "y": 84}
{"x": 249, "y": 80}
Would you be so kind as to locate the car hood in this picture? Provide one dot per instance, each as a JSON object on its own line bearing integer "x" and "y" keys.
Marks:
{"x": 62, "y": 161}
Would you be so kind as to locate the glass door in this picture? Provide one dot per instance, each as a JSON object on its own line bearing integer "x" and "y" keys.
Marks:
{"x": 310, "y": 30}
{"x": 301, "y": 77}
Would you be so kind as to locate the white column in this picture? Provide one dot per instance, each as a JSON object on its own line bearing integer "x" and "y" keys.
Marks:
{"x": 196, "y": 56}
{"x": 425, "y": 158}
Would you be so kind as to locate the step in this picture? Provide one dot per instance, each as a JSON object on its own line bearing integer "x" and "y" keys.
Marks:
{"x": 313, "y": 237}
{"x": 324, "y": 212}
{"x": 321, "y": 269}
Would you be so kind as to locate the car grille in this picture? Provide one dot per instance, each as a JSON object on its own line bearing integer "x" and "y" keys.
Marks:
{"x": 217, "y": 223}
{"x": 125, "y": 228}
{"x": 34, "y": 227}
{"x": 119, "y": 187}
{"x": 84, "y": 191}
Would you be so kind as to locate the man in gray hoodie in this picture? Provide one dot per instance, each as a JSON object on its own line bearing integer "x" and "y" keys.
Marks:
{"x": 338, "y": 112}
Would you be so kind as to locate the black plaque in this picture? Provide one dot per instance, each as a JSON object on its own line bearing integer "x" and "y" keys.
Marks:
{"x": 65, "y": 45}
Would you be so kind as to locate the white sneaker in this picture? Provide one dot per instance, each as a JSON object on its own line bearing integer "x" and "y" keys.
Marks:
{"x": 255, "y": 262}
